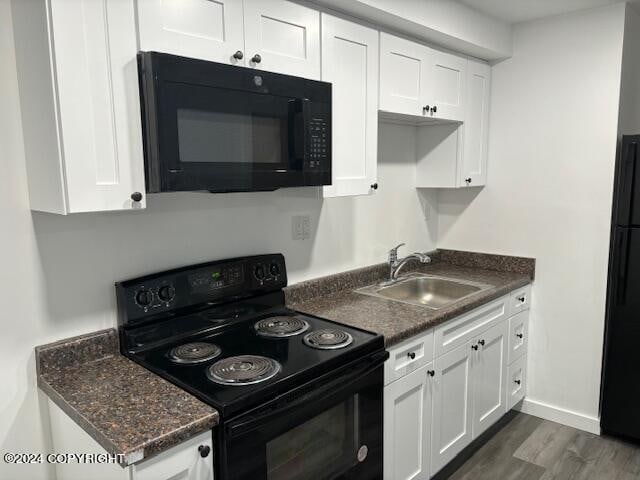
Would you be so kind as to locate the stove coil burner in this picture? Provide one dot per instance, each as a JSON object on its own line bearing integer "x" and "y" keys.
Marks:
{"x": 281, "y": 326}
{"x": 328, "y": 339}
{"x": 192, "y": 353}
{"x": 243, "y": 370}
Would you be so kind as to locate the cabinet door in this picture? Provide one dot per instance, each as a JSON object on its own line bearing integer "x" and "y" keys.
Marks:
{"x": 448, "y": 81}
{"x": 282, "y": 37}
{"x": 407, "y": 426}
{"x": 206, "y": 29}
{"x": 99, "y": 106}
{"x": 350, "y": 62}
{"x": 452, "y": 403}
{"x": 489, "y": 377}
{"x": 518, "y": 336}
{"x": 404, "y": 75}
{"x": 476, "y": 125}
{"x": 183, "y": 462}
{"x": 516, "y": 382}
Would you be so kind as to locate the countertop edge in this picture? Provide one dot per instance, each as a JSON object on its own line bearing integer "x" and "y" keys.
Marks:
{"x": 141, "y": 452}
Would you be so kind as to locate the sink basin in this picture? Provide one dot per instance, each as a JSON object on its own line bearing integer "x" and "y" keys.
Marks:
{"x": 426, "y": 290}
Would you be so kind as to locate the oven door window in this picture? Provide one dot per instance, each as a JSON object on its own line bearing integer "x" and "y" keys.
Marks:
{"x": 210, "y": 133}
{"x": 320, "y": 448}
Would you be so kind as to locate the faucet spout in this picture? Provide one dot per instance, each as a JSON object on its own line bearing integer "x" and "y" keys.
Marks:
{"x": 395, "y": 264}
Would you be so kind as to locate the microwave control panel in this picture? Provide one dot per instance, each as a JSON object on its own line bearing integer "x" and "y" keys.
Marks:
{"x": 319, "y": 143}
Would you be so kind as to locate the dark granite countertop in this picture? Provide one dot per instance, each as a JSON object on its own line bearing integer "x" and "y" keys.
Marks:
{"x": 334, "y": 298}
{"x": 131, "y": 411}
{"x": 126, "y": 408}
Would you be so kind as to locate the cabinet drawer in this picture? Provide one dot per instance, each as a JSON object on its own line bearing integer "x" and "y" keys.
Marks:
{"x": 516, "y": 382}
{"x": 456, "y": 332}
{"x": 408, "y": 356}
{"x": 518, "y": 335}
{"x": 519, "y": 300}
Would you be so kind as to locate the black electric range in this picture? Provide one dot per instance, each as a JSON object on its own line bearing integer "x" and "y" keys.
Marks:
{"x": 281, "y": 380}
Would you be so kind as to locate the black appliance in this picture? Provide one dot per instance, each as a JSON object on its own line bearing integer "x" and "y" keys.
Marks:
{"x": 620, "y": 395}
{"x": 221, "y": 128}
{"x": 299, "y": 397}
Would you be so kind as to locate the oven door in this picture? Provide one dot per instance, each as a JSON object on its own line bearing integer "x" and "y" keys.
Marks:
{"x": 324, "y": 430}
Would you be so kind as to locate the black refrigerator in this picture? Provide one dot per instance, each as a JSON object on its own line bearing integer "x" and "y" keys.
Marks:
{"x": 620, "y": 394}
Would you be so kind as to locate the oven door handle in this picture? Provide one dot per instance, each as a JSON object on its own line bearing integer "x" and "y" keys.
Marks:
{"x": 332, "y": 388}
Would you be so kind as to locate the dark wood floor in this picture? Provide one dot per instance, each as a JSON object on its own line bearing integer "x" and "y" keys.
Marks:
{"x": 529, "y": 448}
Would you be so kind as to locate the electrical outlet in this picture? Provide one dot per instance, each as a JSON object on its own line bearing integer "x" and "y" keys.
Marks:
{"x": 300, "y": 227}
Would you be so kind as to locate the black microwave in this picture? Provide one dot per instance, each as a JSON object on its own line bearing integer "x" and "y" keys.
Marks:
{"x": 222, "y": 128}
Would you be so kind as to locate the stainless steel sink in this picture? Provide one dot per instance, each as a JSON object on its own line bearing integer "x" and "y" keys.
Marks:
{"x": 425, "y": 290}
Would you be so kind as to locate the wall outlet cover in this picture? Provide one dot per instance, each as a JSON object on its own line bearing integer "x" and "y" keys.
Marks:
{"x": 300, "y": 227}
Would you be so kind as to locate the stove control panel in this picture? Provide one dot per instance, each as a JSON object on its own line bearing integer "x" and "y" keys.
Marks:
{"x": 268, "y": 273}
{"x": 215, "y": 278}
{"x": 151, "y": 295}
{"x": 159, "y": 294}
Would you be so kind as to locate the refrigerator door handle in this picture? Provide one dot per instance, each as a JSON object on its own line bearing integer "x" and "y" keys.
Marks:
{"x": 630, "y": 155}
{"x": 623, "y": 256}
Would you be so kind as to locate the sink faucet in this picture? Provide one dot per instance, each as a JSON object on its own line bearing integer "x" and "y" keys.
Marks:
{"x": 396, "y": 265}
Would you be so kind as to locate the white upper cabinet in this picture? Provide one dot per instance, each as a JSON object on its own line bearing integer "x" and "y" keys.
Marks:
{"x": 350, "y": 62}
{"x": 207, "y": 29}
{"x": 420, "y": 81}
{"x": 404, "y": 75}
{"x": 448, "y": 86}
{"x": 473, "y": 171}
{"x": 80, "y": 104}
{"x": 453, "y": 155}
{"x": 273, "y": 35}
{"x": 282, "y": 37}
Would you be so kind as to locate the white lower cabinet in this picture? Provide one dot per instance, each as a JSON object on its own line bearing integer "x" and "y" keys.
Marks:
{"x": 407, "y": 417}
{"x": 452, "y": 405}
{"x": 489, "y": 373}
{"x": 190, "y": 460}
{"x": 447, "y": 386}
{"x": 184, "y": 462}
{"x": 516, "y": 382}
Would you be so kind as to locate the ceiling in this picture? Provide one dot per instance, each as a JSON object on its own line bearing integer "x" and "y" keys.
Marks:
{"x": 514, "y": 11}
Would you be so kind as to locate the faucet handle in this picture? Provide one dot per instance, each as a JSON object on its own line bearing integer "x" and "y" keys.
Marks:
{"x": 393, "y": 253}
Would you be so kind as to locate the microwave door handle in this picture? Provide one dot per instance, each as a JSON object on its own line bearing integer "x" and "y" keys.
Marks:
{"x": 298, "y": 138}
{"x": 332, "y": 388}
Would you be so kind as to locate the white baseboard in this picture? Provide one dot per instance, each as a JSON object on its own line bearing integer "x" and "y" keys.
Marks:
{"x": 560, "y": 415}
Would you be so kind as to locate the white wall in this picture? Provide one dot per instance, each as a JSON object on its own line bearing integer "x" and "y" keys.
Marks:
{"x": 554, "y": 115}
{"x": 58, "y": 272}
